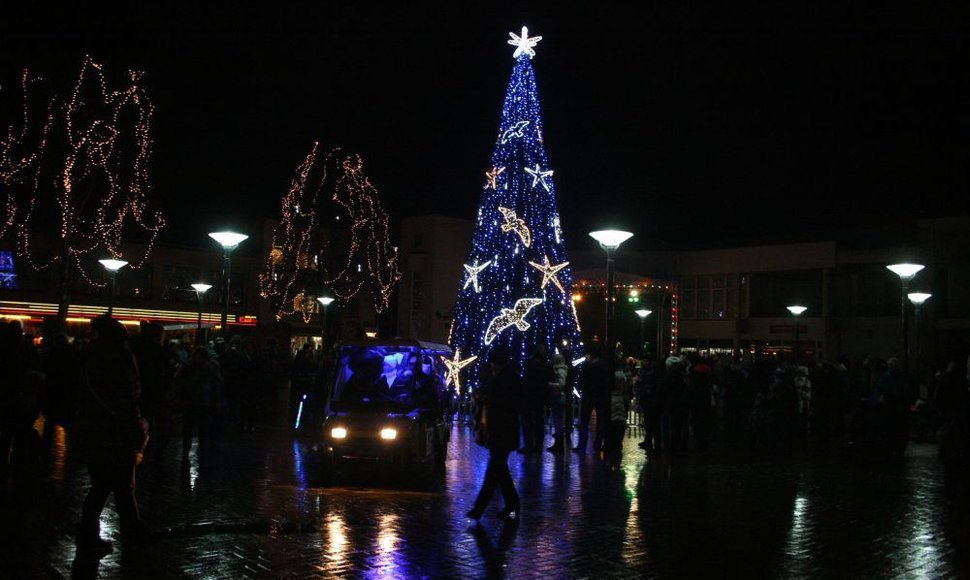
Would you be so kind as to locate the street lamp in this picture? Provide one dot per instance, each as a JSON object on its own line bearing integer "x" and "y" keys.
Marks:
{"x": 324, "y": 302}
{"x": 200, "y": 290}
{"x": 112, "y": 266}
{"x": 796, "y": 312}
{"x": 643, "y": 314}
{"x": 228, "y": 241}
{"x": 917, "y": 298}
{"x": 610, "y": 240}
{"x": 906, "y": 272}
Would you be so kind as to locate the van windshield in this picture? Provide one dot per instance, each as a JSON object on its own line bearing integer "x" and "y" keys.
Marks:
{"x": 382, "y": 379}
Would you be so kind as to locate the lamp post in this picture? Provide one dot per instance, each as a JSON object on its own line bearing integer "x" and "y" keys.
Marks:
{"x": 643, "y": 314}
{"x": 796, "y": 312}
{"x": 917, "y": 298}
{"x": 112, "y": 266}
{"x": 228, "y": 241}
{"x": 906, "y": 272}
{"x": 324, "y": 302}
{"x": 610, "y": 240}
{"x": 200, "y": 290}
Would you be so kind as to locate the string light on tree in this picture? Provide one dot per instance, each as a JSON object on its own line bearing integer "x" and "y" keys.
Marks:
{"x": 509, "y": 290}
{"x": 549, "y": 272}
{"x": 454, "y": 366}
{"x": 514, "y": 316}
{"x": 516, "y": 225}
{"x": 473, "y": 272}
{"x": 539, "y": 176}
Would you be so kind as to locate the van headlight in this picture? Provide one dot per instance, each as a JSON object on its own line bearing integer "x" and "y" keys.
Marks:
{"x": 338, "y": 433}
{"x": 388, "y": 433}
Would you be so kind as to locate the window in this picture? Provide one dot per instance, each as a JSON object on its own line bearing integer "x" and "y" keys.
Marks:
{"x": 177, "y": 283}
{"x": 135, "y": 283}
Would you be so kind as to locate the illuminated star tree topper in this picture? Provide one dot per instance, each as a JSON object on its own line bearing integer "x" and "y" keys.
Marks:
{"x": 523, "y": 298}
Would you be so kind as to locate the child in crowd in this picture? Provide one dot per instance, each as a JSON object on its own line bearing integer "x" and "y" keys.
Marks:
{"x": 619, "y": 406}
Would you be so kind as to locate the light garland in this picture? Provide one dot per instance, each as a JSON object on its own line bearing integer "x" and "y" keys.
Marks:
{"x": 302, "y": 263}
{"x": 539, "y": 176}
{"x": 100, "y": 179}
{"x": 473, "y": 272}
{"x": 549, "y": 272}
{"x": 514, "y": 316}
{"x": 516, "y": 225}
{"x": 454, "y": 366}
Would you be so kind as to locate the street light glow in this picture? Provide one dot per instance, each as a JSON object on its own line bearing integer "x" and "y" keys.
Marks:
{"x": 201, "y": 288}
{"x": 642, "y": 313}
{"x": 113, "y": 265}
{"x": 905, "y": 271}
{"x": 918, "y": 298}
{"x": 796, "y": 310}
{"x": 610, "y": 239}
{"x": 228, "y": 240}
{"x": 325, "y": 300}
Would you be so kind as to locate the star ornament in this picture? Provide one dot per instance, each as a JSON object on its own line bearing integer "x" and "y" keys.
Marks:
{"x": 516, "y": 224}
{"x": 539, "y": 175}
{"x": 549, "y": 272}
{"x": 514, "y": 316}
{"x": 454, "y": 367}
{"x": 492, "y": 176}
{"x": 523, "y": 44}
{"x": 473, "y": 271}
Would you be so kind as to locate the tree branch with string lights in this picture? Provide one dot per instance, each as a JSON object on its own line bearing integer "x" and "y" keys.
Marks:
{"x": 332, "y": 237}
{"x": 91, "y": 192}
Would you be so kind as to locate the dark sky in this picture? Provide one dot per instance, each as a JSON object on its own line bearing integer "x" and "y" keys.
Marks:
{"x": 681, "y": 125}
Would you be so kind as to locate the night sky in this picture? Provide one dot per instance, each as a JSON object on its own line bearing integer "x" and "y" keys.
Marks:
{"x": 683, "y": 126}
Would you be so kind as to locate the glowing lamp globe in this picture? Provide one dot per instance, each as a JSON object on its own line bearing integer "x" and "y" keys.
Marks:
{"x": 201, "y": 288}
{"x": 905, "y": 271}
{"x": 325, "y": 300}
{"x": 918, "y": 298}
{"x": 610, "y": 239}
{"x": 113, "y": 265}
{"x": 643, "y": 313}
{"x": 796, "y": 310}
{"x": 228, "y": 240}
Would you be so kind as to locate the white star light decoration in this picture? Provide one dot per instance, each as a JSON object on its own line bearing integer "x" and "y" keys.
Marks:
{"x": 515, "y": 224}
{"x": 514, "y": 316}
{"x": 523, "y": 44}
{"x": 454, "y": 368}
{"x": 539, "y": 175}
{"x": 492, "y": 176}
{"x": 516, "y": 130}
{"x": 549, "y": 272}
{"x": 473, "y": 274}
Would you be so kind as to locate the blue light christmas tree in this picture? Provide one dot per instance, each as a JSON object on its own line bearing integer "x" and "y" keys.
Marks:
{"x": 515, "y": 291}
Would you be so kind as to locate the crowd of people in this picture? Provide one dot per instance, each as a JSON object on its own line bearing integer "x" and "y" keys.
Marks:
{"x": 120, "y": 397}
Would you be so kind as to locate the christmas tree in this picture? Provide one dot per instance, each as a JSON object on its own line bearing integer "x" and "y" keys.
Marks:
{"x": 516, "y": 286}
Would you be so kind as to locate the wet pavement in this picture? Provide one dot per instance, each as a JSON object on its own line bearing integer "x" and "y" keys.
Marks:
{"x": 255, "y": 510}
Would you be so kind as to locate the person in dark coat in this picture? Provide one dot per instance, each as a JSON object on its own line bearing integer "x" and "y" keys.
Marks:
{"x": 538, "y": 374}
{"x": 108, "y": 436}
{"x": 200, "y": 381}
{"x": 499, "y": 397}
{"x": 596, "y": 382}
{"x": 62, "y": 371}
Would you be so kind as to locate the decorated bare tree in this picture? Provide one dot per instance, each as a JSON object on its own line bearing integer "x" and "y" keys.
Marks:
{"x": 91, "y": 190}
{"x": 332, "y": 238}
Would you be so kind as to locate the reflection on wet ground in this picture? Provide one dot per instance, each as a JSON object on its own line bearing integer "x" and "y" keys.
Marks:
{"x": 255, "y": 509}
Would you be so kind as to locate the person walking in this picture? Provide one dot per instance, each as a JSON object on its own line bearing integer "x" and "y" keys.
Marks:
{"x": 199, "y": 381}
{"x": 596, "y": 382}
{"x": 498, "y": 399}
{"x": 619, "y": 408}
{"x": 109, "y": 437}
